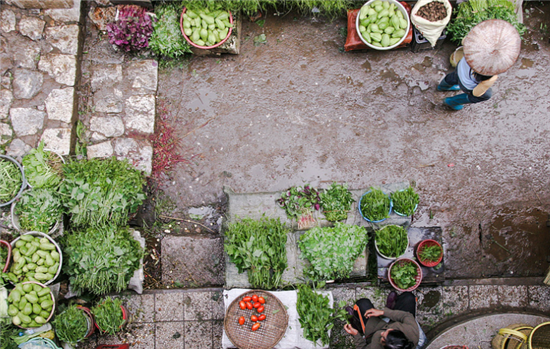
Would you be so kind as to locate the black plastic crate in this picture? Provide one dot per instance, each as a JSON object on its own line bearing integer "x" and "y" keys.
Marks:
{"x": 419, "y": 43}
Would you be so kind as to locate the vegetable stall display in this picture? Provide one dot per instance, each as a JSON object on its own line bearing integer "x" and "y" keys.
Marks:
{"x": 167, "y": 39}
{"x": 73, "y": 324}
{"x": 101, "y": 192}
{"x": 101, "y": 260}
{"x": 391, "y": 241}
{"x": 36, "y": 257}
{"x": 299, "y": 203}
{"x": 336, "y": 202}
{"x": 11, "y": 179}
{"x": 332, "y": 251}
{"x": 132, "y": 28}
{"x": 405, "y": 274}
{"x": 31, "y": 304}
{"x": 382, "y": 24}
{"x": 206, "y": 28}
{"x": 405, "y": 202}
{"x": 43, "y": 168}
{"x": 258, "y": 247}
{"x": 375, "y": 205}
{"x": 37, "y": 210}
{"x": 429, "y": 253}
{"x": 109, "y": 315}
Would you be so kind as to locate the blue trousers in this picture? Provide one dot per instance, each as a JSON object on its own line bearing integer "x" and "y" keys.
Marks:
{"x": 452, "y": 79}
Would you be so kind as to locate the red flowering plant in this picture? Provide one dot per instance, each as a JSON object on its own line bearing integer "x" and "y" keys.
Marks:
{"x": 300, "y": 203}
{"x": 132, "y": 28}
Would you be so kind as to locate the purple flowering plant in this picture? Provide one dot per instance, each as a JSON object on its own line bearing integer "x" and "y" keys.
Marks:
{"x": 300, "y": 201}
{"x": 132, "y": 29}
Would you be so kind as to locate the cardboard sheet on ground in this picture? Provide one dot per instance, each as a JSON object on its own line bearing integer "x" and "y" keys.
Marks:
{"x": 293, "y": 338}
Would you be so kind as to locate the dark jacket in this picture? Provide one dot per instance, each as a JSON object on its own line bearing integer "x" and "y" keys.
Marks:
{"x": 399, "y": 320}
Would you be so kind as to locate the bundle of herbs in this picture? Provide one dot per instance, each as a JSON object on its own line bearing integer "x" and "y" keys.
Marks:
{"x": 404, "y": 273}
{"x": 332, "y": 251}
{"x": 101, "y": 192}
{"x": 38, "y": 210}
{"x": 375, "y": 205}
{"x": 108, "y": 315}
{"x": 167, "y": 40}
{"x": 299, "y": 203}
{"x": 471, "y": 13}
{"x": 71, "y": 326}
{"x": 391, "y": 241}
{"x": 405, "y": 201}
{"x": 316, "y": 315}
{"x": 43, "y": 168}
{"x": 258, "y": 247}
{"x": 100, "y": 261}
{"x": 132, "y": 29}
{"x": 11, "y": 180}
{"x": 336, "y": 202}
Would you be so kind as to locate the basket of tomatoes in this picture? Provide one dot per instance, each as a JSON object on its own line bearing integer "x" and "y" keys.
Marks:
{"x": 255, "y": 320}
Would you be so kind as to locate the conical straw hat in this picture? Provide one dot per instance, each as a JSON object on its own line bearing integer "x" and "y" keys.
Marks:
{"x": 492, "y": 47}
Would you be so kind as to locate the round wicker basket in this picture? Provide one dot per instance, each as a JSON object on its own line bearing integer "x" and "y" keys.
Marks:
{"x": 271, "y": 331}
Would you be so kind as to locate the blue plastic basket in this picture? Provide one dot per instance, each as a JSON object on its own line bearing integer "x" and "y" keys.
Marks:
{"x": 365, "y": 218}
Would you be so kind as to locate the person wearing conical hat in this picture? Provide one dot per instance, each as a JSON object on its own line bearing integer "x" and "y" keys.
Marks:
{"x": 490, "y": 48}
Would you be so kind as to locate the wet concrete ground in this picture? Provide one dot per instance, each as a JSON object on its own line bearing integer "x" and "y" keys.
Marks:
{"x": 300, "y": 110}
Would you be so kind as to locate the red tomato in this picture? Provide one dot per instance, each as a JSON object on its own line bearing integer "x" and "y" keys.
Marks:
{"x": 242, "y": 305}
{"x": 255, "y": 326}
{"x": 253, "y": 318}
{"x": 256, "y": 305}
{"x": 247, "y": 299}
{"x": 260, "y": 309}
{"x": 261, "y": 317}
{"x": 261, "y": 300}
{"x": 241, "y": 320}
{"x": 249, "y": 306}
{"x": 255, "y": 298}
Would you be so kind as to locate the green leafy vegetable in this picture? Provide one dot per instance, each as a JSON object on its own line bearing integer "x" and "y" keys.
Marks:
{"x": 259, "y": 248}
{"x": 71, "y": 326}
{"x": 375, "y": 205}
{"x": 108, "y": 315}
{"x": 405, "y": 201}
{"x": 43, "y": 169}
{"x": 392, "y": 241}
{"x": 38, "y": 210}
{"x": 101, "y": 260}
{"x": 316, "y": 315}
{"x": 404, "y": 274}
{"x": 336, "y": 202}
{"x": 7, "y": 331}
{"x": 167, "y": 40}
{"x": 471, "y": 13}
{"x": 430, "y": 253}
{"x": 332, "y": 251}
{"x": 101, "y": 192}
{"x": 298, "y": 201}
{"x": 10, "y": 180}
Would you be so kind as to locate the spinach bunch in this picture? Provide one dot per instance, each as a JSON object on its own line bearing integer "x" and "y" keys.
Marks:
{"x": 39, "y": 210}
{"x": 391, "y": 241}
{"x": 259, "y": 248}
{"x": 108, "y": 315}
{"x": 375, "y": 205}
{"x": 405, "y": 201}
{"x": 298, "y": 201}
{"x": 471, "y": 13}
{"x": 101, "y": 192}
{"x": 336, "y": 202}
{"x": 167, "y": 40}
{"x": 101, "y": 260}
{"x": 71, "y": 326}
{"x": 43, "y": 169}
{"x": 316, "y": 315}
{"x": 10, "y": 180}
{"x": 404, "y": 274}
{"x": 430, "y": 253}
{"x": 331, "y": 251}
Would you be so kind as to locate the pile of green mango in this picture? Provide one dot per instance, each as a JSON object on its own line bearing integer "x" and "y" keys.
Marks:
{"x": 382, "y": 23}
{"x": 206, "y": 28}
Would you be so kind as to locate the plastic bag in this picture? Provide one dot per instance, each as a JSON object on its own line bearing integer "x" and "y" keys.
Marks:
{"x": 430, "y": 30}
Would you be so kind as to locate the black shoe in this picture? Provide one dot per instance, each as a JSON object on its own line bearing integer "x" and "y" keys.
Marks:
{"x": 390, "y": 301}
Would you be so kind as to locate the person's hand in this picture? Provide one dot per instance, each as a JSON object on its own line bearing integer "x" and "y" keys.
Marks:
{"x": 373, "y": 313}
{"x": 349, "y": 329}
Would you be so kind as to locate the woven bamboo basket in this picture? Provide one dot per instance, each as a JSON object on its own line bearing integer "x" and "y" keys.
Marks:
{"x": 540, "y": 337}
{"x": 512, "y": 337}
{"x": 271, "y": 331}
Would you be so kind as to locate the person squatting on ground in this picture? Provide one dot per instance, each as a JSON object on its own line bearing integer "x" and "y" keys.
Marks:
{"x": 393, "y": 327}
{"x": 490, "y": 48}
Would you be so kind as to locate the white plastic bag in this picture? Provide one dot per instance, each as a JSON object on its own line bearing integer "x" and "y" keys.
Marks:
{"x": 430, "y": 30}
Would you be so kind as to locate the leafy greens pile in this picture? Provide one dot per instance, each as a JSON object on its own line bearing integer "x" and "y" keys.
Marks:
{"x": 299, "y": 203}
{"x": 108, "y": 315}
{"x": 101, "y": 260}
{"x": 392, "y": 241}
{"x": 167, "y": 40}
{"x": 71, "y": 326}
{"x": 404, "y": 273}
{"x": 405, "y": 201}
{"x": 10, "y": 180}
{"x": 471, "y": 13}
{"x": 430, "y": 253}
{"x": 101, "y": 192}
{"x": 43, "y": 169}
{"x": 375, "y": 205}
{"x": 331, "y": 251}
{"x": 316, "y": 315}
{"x": 259, "y": 248}
{"x": 38, "y": 210}
{"x": 336, "y": 202}
{"x": 132, "y": 30}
